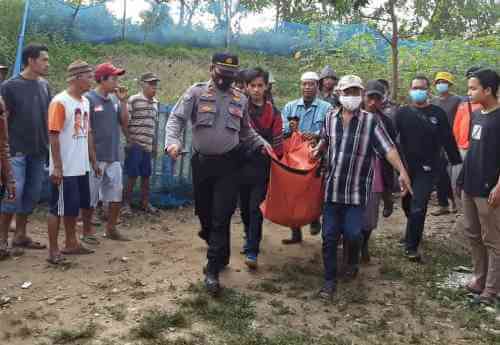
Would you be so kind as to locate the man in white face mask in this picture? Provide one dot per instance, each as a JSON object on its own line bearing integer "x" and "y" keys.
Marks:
{"x": 350, "y": 137}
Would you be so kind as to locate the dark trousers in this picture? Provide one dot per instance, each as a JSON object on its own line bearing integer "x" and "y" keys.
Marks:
{"x": 338, "y": 218}
{"x": 443, "y": 185}
{"x": 415, "y": 206}
{"x": 251, "y": 196}
{"x": 215, "y": 186}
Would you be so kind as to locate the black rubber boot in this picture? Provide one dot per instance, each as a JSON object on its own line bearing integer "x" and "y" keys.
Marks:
{"x": 352, "y": 259}
{"x": 365, "y": 253}
{"x": 212, "y": 284}
{"x": 296, "y": 237}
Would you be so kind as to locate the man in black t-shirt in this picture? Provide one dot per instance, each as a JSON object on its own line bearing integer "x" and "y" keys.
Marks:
{"x": 423, "y": 131}
{"x": 480, "y": 179}
{"x": 27, "y": 97}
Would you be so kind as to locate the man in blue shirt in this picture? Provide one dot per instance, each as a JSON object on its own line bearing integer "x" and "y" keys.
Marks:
{"x": 306, "y": 115}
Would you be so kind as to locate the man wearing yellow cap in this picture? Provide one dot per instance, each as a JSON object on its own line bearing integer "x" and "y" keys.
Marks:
{"x": 449, "y": 103}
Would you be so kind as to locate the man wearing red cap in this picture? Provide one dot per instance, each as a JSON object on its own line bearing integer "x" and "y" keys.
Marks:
{"x": 108, "y": 112}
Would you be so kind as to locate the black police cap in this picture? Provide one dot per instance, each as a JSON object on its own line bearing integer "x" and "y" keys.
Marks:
{"x": 226, "y": 60}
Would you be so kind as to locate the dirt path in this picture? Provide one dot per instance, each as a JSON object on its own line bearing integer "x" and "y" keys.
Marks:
{"x": 392, "y": 302}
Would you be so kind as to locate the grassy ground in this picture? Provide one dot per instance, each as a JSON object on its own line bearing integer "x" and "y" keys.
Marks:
{"x": 149, "y": 292}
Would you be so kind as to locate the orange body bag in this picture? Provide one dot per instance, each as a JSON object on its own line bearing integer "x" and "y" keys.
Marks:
{"x": 295, "y": 190}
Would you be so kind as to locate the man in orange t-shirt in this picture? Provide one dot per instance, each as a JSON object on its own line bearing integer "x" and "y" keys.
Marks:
{"x": 461, "y": 128}
{"x": 462, "y": 124}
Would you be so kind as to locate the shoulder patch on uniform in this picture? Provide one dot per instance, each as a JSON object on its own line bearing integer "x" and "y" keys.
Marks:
{"x": 235, "y": 91}
{"x": 199, "y": 84}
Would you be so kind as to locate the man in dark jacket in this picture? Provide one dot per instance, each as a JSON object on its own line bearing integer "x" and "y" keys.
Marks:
{"x": 327, "y": 81}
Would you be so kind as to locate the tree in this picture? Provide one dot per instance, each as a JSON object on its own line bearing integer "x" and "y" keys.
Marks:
{"x": 77, "y": 5}
{"x": 459, "y": 18}
{"x": 155, "y": 17}
{"x": 386, "y": 21}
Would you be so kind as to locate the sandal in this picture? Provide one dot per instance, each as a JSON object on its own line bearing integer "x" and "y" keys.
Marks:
{"x": 150, "y": 209}
{"x": 28, "y": 243}
{"x": 4, "y": 251}
{"x": 126, "y": 211}
{"x": 473, "y": 289}
{"x": 441, "y": 212}
{"x": 80, "y": 250}
{"x": 488, "y": 300}
{"x": 57, "y": 260}
{"x": 90, "y": 239}
{"x": 116, "y": 236}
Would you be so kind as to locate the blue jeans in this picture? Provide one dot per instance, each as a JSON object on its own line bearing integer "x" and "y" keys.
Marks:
{"x": 339, "y": 218}
{"x": 28, "y": 171}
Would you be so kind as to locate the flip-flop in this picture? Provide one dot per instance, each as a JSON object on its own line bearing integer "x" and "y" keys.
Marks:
{"x": 150, "y": 209}
{"x": 90, "y": 239}
{"x": 57, "y": 260}
{"x": 126, "y": 211}
{"x": 116, "y": 236}
{"x": 472, "y": 289}
{"x": 28, "y": 243}
{"x": 81, "y": 250}
{"x": 4, "y": 253}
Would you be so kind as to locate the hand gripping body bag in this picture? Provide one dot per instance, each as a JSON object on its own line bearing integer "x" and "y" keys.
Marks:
{"x": 295, "y": 190}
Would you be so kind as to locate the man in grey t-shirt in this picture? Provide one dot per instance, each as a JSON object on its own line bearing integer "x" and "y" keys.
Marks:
{"x": 449, "y": 103}
{"x": 27, "y": 97}
{"x": 108, "y": 112}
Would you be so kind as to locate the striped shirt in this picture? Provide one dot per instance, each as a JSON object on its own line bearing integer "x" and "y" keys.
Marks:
{"x": 143, "y": 120}
{"x": 350, "y": 153}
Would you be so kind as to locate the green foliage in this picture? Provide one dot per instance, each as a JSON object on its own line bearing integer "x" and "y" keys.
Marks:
{"x": 157, "y": 321}
{"x": 66, "y": 336}
{"x": 460, "y": 18}
{"x": 10, "y": 20}
{"x": 232, "y": 312}
{"x": 357, "y": 57}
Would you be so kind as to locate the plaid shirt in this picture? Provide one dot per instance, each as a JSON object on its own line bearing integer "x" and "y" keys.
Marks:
{"x": 350, "y": 153}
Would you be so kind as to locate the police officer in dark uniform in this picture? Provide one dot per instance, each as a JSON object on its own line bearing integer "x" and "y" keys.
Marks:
{"x": 221, "y": 134}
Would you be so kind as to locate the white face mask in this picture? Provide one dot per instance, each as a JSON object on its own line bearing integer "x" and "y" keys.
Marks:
{"x": 350, "y": 103}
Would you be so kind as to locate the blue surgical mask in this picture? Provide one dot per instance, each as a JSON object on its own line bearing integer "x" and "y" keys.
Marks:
{"x": 418, "y": 96}
{"x": 442, "y": 88}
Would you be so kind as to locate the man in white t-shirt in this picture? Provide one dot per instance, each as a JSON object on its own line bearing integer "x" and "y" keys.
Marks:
{"x": 70, "y": 162}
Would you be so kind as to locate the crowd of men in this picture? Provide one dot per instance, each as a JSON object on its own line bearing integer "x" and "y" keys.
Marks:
{"x": 360, "y": 135}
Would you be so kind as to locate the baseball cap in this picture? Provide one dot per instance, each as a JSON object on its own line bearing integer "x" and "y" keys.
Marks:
{"x": 106, "y": 70}
{"x": 471, "y": 71}
{"x": 349, "y": 81}
{"x": 374, "y": 87}
{"x": 77, "y": 68}
{"x": 444, "y": 76}
{"x": 149, "y": 76}
{"x": 309, "y": 76}
{"x": 226, "y": 64}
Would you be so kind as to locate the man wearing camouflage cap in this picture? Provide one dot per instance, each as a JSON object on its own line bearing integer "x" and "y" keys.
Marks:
{"x": 220, "y": 121}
